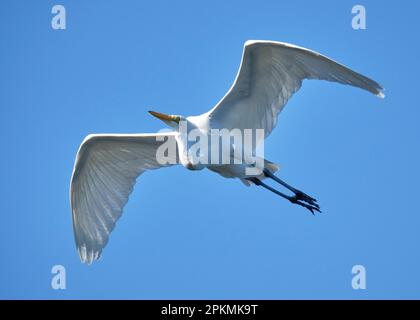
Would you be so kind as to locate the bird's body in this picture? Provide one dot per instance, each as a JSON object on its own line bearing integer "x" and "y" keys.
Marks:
{"x": 107, "y": 166}
{"x": 205, "y": 130}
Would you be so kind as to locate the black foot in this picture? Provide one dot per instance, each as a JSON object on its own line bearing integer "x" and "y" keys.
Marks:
{"x": 299, "y": 195}
{"x": 299, "y": 198}
{"x": 311, "y": 207}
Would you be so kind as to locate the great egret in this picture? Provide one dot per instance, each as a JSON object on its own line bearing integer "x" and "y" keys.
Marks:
{"x": 107, "y": 165}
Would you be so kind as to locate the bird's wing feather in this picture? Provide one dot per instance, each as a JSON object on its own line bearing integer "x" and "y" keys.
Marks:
{"x": 270, "y": 73}
{"x": 104, "y": 174}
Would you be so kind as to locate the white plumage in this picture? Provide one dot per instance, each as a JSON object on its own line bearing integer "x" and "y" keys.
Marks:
{"x": 270, "y": 73}
{"x": 108, "y": 165}
{"x": 106, "y": 170}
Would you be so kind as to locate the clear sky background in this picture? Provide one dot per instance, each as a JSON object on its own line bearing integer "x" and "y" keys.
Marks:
{"x": 193, "y": 234}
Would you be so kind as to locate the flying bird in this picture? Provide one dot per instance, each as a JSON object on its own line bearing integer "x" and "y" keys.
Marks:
{"x": 107, "y": 165}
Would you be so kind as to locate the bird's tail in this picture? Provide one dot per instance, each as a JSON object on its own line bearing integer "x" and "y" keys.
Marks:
{"x": 270, "y": 166}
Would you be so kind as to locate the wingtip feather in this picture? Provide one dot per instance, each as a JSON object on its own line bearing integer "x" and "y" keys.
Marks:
{"x": 88, "y": 256}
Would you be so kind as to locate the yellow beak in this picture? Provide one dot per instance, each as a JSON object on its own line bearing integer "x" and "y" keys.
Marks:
{"x": 164, "y": 117}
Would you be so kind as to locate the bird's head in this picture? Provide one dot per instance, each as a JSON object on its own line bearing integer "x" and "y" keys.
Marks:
{"x": 169, "y": 119}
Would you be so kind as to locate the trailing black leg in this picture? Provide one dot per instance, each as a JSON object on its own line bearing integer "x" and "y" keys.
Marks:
{"x": 292, "y": 199}
{"x": 298, "y": 194}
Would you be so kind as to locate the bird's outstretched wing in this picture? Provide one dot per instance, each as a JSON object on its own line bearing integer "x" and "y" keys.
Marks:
{"x": 104, "y": 174}
{"x": 270, "y": 73}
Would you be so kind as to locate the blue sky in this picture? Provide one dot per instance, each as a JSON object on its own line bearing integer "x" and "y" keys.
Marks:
{"x": 195, "y": 235}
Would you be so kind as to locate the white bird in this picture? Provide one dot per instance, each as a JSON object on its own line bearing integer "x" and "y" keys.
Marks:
{"x": 107, "y": 165}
